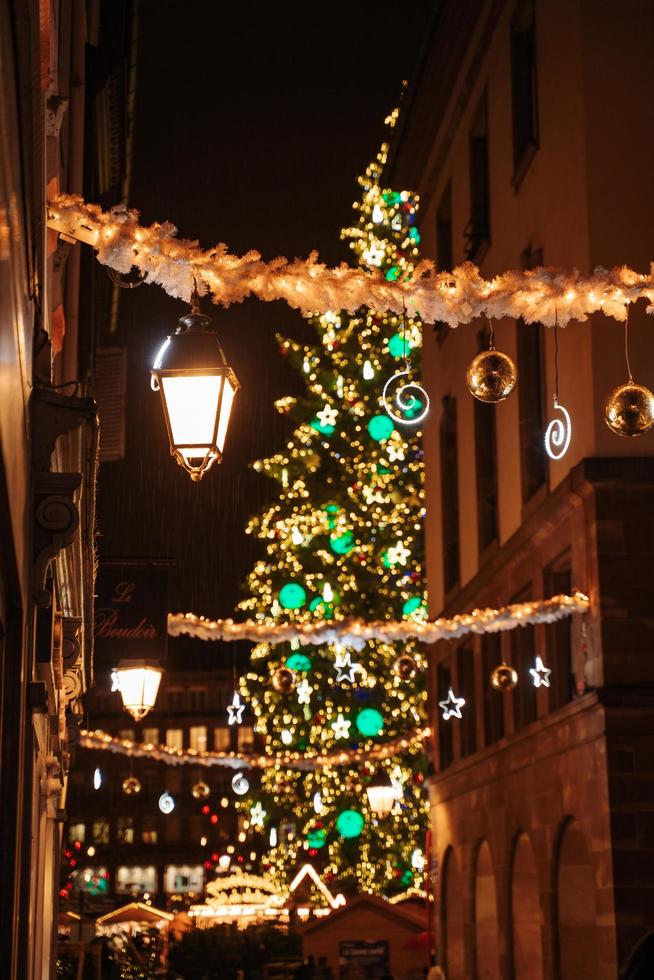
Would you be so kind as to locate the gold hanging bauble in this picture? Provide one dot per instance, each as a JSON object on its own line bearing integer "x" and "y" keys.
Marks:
{"x": 131, "y": 786}
{"x": 283, "y": 680}
{"x": 629, "y": 409}
{"x": 491, "y": 377}
{"x": 200, "y": 790}
{"x": 504, "y": 678}
{"x": 405, "y": 667}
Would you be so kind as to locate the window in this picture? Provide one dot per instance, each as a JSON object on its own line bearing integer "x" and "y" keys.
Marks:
{"x": 491, "y": 657}
{"x": 174, "y": 779}
{"x": 558, "y": 650}
{"x": 466, "y": 684}
{"x": 100, "y": 831}
{"x": 444, "y": 246}
{"x": 245, "y": 738}
{"x": 126, "y": 733}
{"x": 449, "y": 494}
{"x": 174, "y": 738}
{"x": 445, "y": 745}
{"x": 477, "y": 231}
{"x": 221, "y": 739}
{"x": 523, "y": 88}
{"x": 175, "y": 698}
{"x": 197, "y": 698}
{"x": 486, "y": 463}
{"x": 149, "y": 830}
{"x": 151, "y": 735}
{"x": 173, "y": 828}
{"x": 125, "y": 830}
{"x": 522, "y": 659}
{"x": 136, "y": 880}
{"x": 532, "y": 453}
{"x": 183, "y": 879}
{"x": 198, "y": 738}
{"x": 76, "y": 831}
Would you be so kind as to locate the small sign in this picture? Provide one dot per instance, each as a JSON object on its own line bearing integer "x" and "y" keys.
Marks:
{"x": 131, "y": 611}
{"x": 357, "y": 956}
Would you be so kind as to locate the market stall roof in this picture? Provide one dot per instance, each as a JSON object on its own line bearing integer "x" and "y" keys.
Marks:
{"x": 134, "y": 912}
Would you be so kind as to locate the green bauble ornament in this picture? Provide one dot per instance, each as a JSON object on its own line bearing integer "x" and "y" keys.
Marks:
{"x": 324, "y": 430}
{"x": 342, "y": 544}
{"x": 393, "y": 274}
{"x": 349, "y": 823}
{"x": 299, "y": 662}
{"x": 399, "y": 346}
{"x": 370, "y": 722}
{"x": 414, "y": 235}
{"x": 380, "y": 427}
{"x": 317, "y": 838}
{"x": 411, "y": 605}
{"x": 292, "y": 596}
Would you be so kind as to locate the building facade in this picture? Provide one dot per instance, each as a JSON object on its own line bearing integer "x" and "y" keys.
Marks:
{"x": 127, "y": 845}
{"x": 520, "y": 134}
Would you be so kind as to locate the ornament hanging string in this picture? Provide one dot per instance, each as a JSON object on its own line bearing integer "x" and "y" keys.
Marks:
{"x": 459, "y": 296}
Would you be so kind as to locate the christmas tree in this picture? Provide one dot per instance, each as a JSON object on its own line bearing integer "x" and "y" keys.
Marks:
{"x": 345, "y": 538}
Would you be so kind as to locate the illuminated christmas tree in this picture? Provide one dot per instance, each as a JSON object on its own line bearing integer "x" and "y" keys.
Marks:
{"x": 345, "y": 538}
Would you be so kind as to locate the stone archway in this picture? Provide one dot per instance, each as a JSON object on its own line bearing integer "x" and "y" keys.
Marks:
{"x": 526, "y": 913}
{"x": 576, "y": 906}
{"x": 485, "y": 918}
{"x": 452, "y": 918}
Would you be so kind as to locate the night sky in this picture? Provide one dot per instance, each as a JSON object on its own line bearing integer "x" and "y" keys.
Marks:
{"x": 251, "y": 128}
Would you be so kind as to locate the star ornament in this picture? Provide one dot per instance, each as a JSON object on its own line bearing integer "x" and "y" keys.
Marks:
{"x": 398, "y": 554}
{"x": 304, "y": 690}
{"x": 451, "y": 707}
{"x": 327, "y": 415}
{"x": 257, "y": 815}
{"x": 540, "y": 674}
{"x": 345, "y": 669}
{"x": 235, "y": 710}
{"x": 341, "y": 727}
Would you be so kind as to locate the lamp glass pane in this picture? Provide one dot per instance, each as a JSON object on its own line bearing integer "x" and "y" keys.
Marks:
{"x": 381, "y": 799}
{"x": 192, "y": 403}
{"x": 225, "y": 412}
{"x": 138, "y": 688}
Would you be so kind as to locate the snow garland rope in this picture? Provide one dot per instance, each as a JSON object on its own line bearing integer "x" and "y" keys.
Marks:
{"x": 536, "y": 295}
{"x": 356, "y": 632}
{"x": 235, "y": 760}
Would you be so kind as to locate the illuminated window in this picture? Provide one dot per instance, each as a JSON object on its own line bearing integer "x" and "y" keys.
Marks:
{"x": 149, "y": 830}
{"x": 77, "y": 831}
{"x": 126, "y": 733}
{"x": 151, "y": 735}
{"x": 174, "y": 738}
{"x": 245, "y": 738}
{"x": 182, "y": 879}
{"x": 221, "y": 739}
{"x": 136, "y": 880}
{"x": 125, "y": 830}
{"x": 198, "y": 737}
{"x": 100, "y": 831}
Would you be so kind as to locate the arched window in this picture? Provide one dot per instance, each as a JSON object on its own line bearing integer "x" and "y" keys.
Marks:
{"x": 452, "y": 918}
{"x": 485, "y": 917}
{"x": 576, "y": 905}
{"x": 526, "y": 913}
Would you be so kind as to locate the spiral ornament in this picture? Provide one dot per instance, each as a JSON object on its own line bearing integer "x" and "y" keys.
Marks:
{"x": 406, "y": 402}
{"x": 558, "y": 433}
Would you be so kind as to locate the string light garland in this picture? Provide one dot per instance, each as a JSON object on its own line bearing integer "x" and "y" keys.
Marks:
{"x": 459, "y": 296}
{"x": 357, "y": 632}
{"x": 104, "y": 742}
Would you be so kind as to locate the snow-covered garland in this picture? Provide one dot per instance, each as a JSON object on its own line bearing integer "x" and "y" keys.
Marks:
{"x": 537, "y": 295}
{"x": 239, "y": 760}
{"x": 356, "y": 632}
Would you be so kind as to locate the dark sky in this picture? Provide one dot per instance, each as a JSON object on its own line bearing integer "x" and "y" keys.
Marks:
{"x": 252, "y": 124}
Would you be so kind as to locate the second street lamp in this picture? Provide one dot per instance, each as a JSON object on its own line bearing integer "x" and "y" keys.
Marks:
{"x": 197, "y": 392}
{"x": 381, "y": 794}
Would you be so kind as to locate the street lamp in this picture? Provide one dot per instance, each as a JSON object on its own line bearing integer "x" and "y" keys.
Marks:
{"x": 381, "y": 794}
{"x": 197, "y": 391}
{"x": 138, "y": 682}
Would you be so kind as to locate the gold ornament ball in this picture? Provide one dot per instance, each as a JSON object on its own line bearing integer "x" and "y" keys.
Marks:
{"x": 200, "y": 790}
{"x": 405, "y": 667}
{"x": 504, "y": 678}
{"x": 491, "y": 377}
{"x": 629, "y": 409}
{"x": 283, "y": 680}
{"x": 131, "y": 786}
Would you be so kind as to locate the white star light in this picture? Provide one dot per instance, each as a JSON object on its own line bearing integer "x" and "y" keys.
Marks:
{"x": 373, "y": 255}
{"x": 396, "y": 453}
{"x": 257, "y": 815}
{"x": 345, "y": 669}
{"x": 398, "y": 554}
{"x": 235, "y": 710}
{"x": 451, "y": 707}
{"x": 377, "y": 215}
{"x": 327, "y": 415}
{"x": 304, "y": 690}
{"x": 341, "y": 727}
{"x": 540, "y": 674}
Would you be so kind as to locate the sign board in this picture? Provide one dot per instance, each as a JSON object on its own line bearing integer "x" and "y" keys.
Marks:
{"x": 131, "y": 610}
{"x": 359, "y": 957}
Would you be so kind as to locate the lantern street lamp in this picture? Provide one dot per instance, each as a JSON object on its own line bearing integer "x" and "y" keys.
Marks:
{"x": 197, "y": 391}
{"x": 138, "y": 682}
{"x": 381, "y": 794}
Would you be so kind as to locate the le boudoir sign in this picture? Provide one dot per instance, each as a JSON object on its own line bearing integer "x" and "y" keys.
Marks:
{"x": 131, "y": 609}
